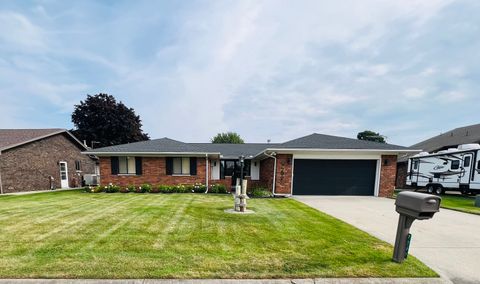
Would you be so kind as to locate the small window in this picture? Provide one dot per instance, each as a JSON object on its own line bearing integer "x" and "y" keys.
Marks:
{"x": 126, "y": 165}
{"x": 78, "y": 166}
{"x": 478, "y": 165}
{"x": 415, "y": 165}
{"x": 455, "y": 165}
{"x": 181, "y": 166}
{"x": 466, "y": 162}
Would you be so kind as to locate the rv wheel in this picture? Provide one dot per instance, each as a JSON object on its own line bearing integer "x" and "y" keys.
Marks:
{"x": 439, "y": 190}
{"x": 430, "y": 189}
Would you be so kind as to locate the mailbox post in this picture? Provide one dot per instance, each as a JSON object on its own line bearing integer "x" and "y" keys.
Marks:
{"x": 411, "y": 206}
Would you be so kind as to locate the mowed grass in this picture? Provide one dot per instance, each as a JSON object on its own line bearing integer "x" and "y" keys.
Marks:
{"x": 460, "y": 203}
{"x": 80, "y": 235}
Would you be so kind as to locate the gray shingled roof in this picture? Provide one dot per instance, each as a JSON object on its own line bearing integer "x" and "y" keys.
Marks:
{"x": 235, "y": 150}
{"x": 13, "y": 137}
{"x": 322, "y": 141}
{"x": 452, "y": 138}
{"x": 313, "y": 141}
{"x": 166, "y": 145}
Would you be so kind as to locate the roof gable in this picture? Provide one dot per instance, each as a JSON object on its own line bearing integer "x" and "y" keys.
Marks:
{"x": 322, "y": 141}
{"x": 10, "y": 138}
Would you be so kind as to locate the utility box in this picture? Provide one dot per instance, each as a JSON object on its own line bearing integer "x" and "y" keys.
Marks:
{"x": 411, "y": 206}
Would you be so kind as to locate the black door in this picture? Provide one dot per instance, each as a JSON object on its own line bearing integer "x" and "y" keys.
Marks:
{"x": 334, "y": 177}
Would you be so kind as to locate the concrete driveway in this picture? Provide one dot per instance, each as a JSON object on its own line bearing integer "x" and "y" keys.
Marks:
{"x": 449, "y": 243}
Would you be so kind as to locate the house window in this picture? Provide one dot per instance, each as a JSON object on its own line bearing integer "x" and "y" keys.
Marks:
{"x": 466, "y": 162}
{"x": 78, "y": 166}
{"x": 181, "y": 166}
{"x": 126, "y": 165}
{"x": 455, "y": 165}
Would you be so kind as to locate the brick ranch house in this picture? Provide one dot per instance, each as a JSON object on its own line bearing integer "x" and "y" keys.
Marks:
{"x": 316, "y": 164}
{"x": 30, "y": 158}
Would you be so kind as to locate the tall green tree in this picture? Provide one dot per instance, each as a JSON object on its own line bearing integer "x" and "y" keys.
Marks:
{"x": 102, "y": 121}
{"x": 371, "y": 136}
{"x": 228, "y": 137}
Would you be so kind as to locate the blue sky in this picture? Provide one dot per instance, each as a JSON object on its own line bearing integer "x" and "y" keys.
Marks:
{"x": 265, "y": 69}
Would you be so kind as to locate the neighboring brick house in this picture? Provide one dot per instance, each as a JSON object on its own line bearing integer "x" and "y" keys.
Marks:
{"x": 37, "y": 159}
{"x": 316, "y": 164}
{"x": 450, "y": 139}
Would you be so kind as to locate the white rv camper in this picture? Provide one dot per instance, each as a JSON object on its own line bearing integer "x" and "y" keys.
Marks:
{"x": 451, "y": 169}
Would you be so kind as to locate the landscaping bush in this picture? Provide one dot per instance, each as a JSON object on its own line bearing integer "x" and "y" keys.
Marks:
{"x": 199, "y": 188}
{"x": 154, "y": 189}
{"x": 258, "y": 192}
{"x": 124, "y": 190}
{"x": 93, "y": 189}
{"x": 218, "y": 188}
{"x": 165, "y": 189}
{"x": 143, "y": 188}
{"x": 111, "y": 188}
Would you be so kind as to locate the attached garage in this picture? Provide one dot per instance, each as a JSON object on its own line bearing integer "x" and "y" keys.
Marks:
{"x": 334, "y": 177}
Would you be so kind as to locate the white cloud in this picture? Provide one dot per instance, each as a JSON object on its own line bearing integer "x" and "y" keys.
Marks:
{"x": 414, "y": 93}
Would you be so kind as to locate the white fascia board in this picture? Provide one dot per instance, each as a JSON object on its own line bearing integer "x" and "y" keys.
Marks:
{"x": 299, "y": 150}
{"x": 153, "y": 154}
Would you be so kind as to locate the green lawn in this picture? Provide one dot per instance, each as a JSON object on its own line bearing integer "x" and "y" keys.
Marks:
{"x": 460, "y": 203}
{"x": 72, "y": 234}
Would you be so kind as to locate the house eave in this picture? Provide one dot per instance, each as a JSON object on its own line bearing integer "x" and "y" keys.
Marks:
{"x": 150, "y": 154}
{"x": 300, "y": 150}
{"x": 43, "y": 137}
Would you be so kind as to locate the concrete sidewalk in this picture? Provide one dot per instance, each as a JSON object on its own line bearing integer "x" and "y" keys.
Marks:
{"x": 449, "y": 243}
{"x": 232, "y": 281}
{"x": 39, "y": 191}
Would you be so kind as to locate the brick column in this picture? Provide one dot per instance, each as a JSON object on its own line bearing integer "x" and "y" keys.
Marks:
{"x": 283, "y": 179}
{"x": 388, "y": 171}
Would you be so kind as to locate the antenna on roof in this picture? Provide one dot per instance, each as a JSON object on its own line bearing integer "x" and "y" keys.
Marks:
{"x": 467, "y": 133}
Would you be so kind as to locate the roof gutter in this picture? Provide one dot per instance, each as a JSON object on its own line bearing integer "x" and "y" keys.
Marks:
{"x": 334, "y": 150}
{"x": 148, "y": 153}
{"x": 274, "y": 169}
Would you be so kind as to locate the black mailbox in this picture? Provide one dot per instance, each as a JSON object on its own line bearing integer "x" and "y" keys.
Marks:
{"x": 411, "y": 206}
{"x": 417, "y": 205}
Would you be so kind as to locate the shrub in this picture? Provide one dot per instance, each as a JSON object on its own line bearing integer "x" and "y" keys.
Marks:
{"x": 93, "y": 189}
{"x": 154, "y": 189}
{"x": 257, "y": 192}
{"x": 165, "y": 189}
{"x": 146, "y": 187}
{"x": 124, "y": 190}
{"x": 111, "y": 188}
{"x": 218, "y": 188}
{"x": 199, "y": 188}
{"x": 180, "y": 189}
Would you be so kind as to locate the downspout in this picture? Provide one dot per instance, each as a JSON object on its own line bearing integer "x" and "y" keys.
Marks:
{"x": 206, "y": 173}
{"x": 1, "y": 185}
{"x": 274, "y": 169}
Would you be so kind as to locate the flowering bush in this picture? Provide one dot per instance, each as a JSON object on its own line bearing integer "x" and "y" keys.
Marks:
{"x": 199, "y": 188}
{"x": 218, "y": 188}
{"x": 111, "y": 188}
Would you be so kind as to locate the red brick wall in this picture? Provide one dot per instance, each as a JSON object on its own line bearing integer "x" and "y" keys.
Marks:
{"x": 283, "y": 178}
{"x": 266, "y": 173}
{"x": 387, "y": 175}
{"x": 28, "y": 167}
{"x": 153, "y": 172}
{"x": 401, "y": 179}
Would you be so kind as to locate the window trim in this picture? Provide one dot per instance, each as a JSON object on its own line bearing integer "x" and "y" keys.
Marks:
{"x": 181, "y": 166}
{"x": 130, "y": 172}
{"x": 457, "y": 162}
{"x": 78, "y": 166}
{"x": 465, "y": 160}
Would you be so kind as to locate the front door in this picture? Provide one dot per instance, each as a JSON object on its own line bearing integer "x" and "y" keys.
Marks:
{"x": 63, "y": 175}
{"x": 467, "y": 166}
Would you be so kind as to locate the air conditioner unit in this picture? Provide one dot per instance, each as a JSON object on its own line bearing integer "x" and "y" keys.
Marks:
{"x": 91, "y": 179}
